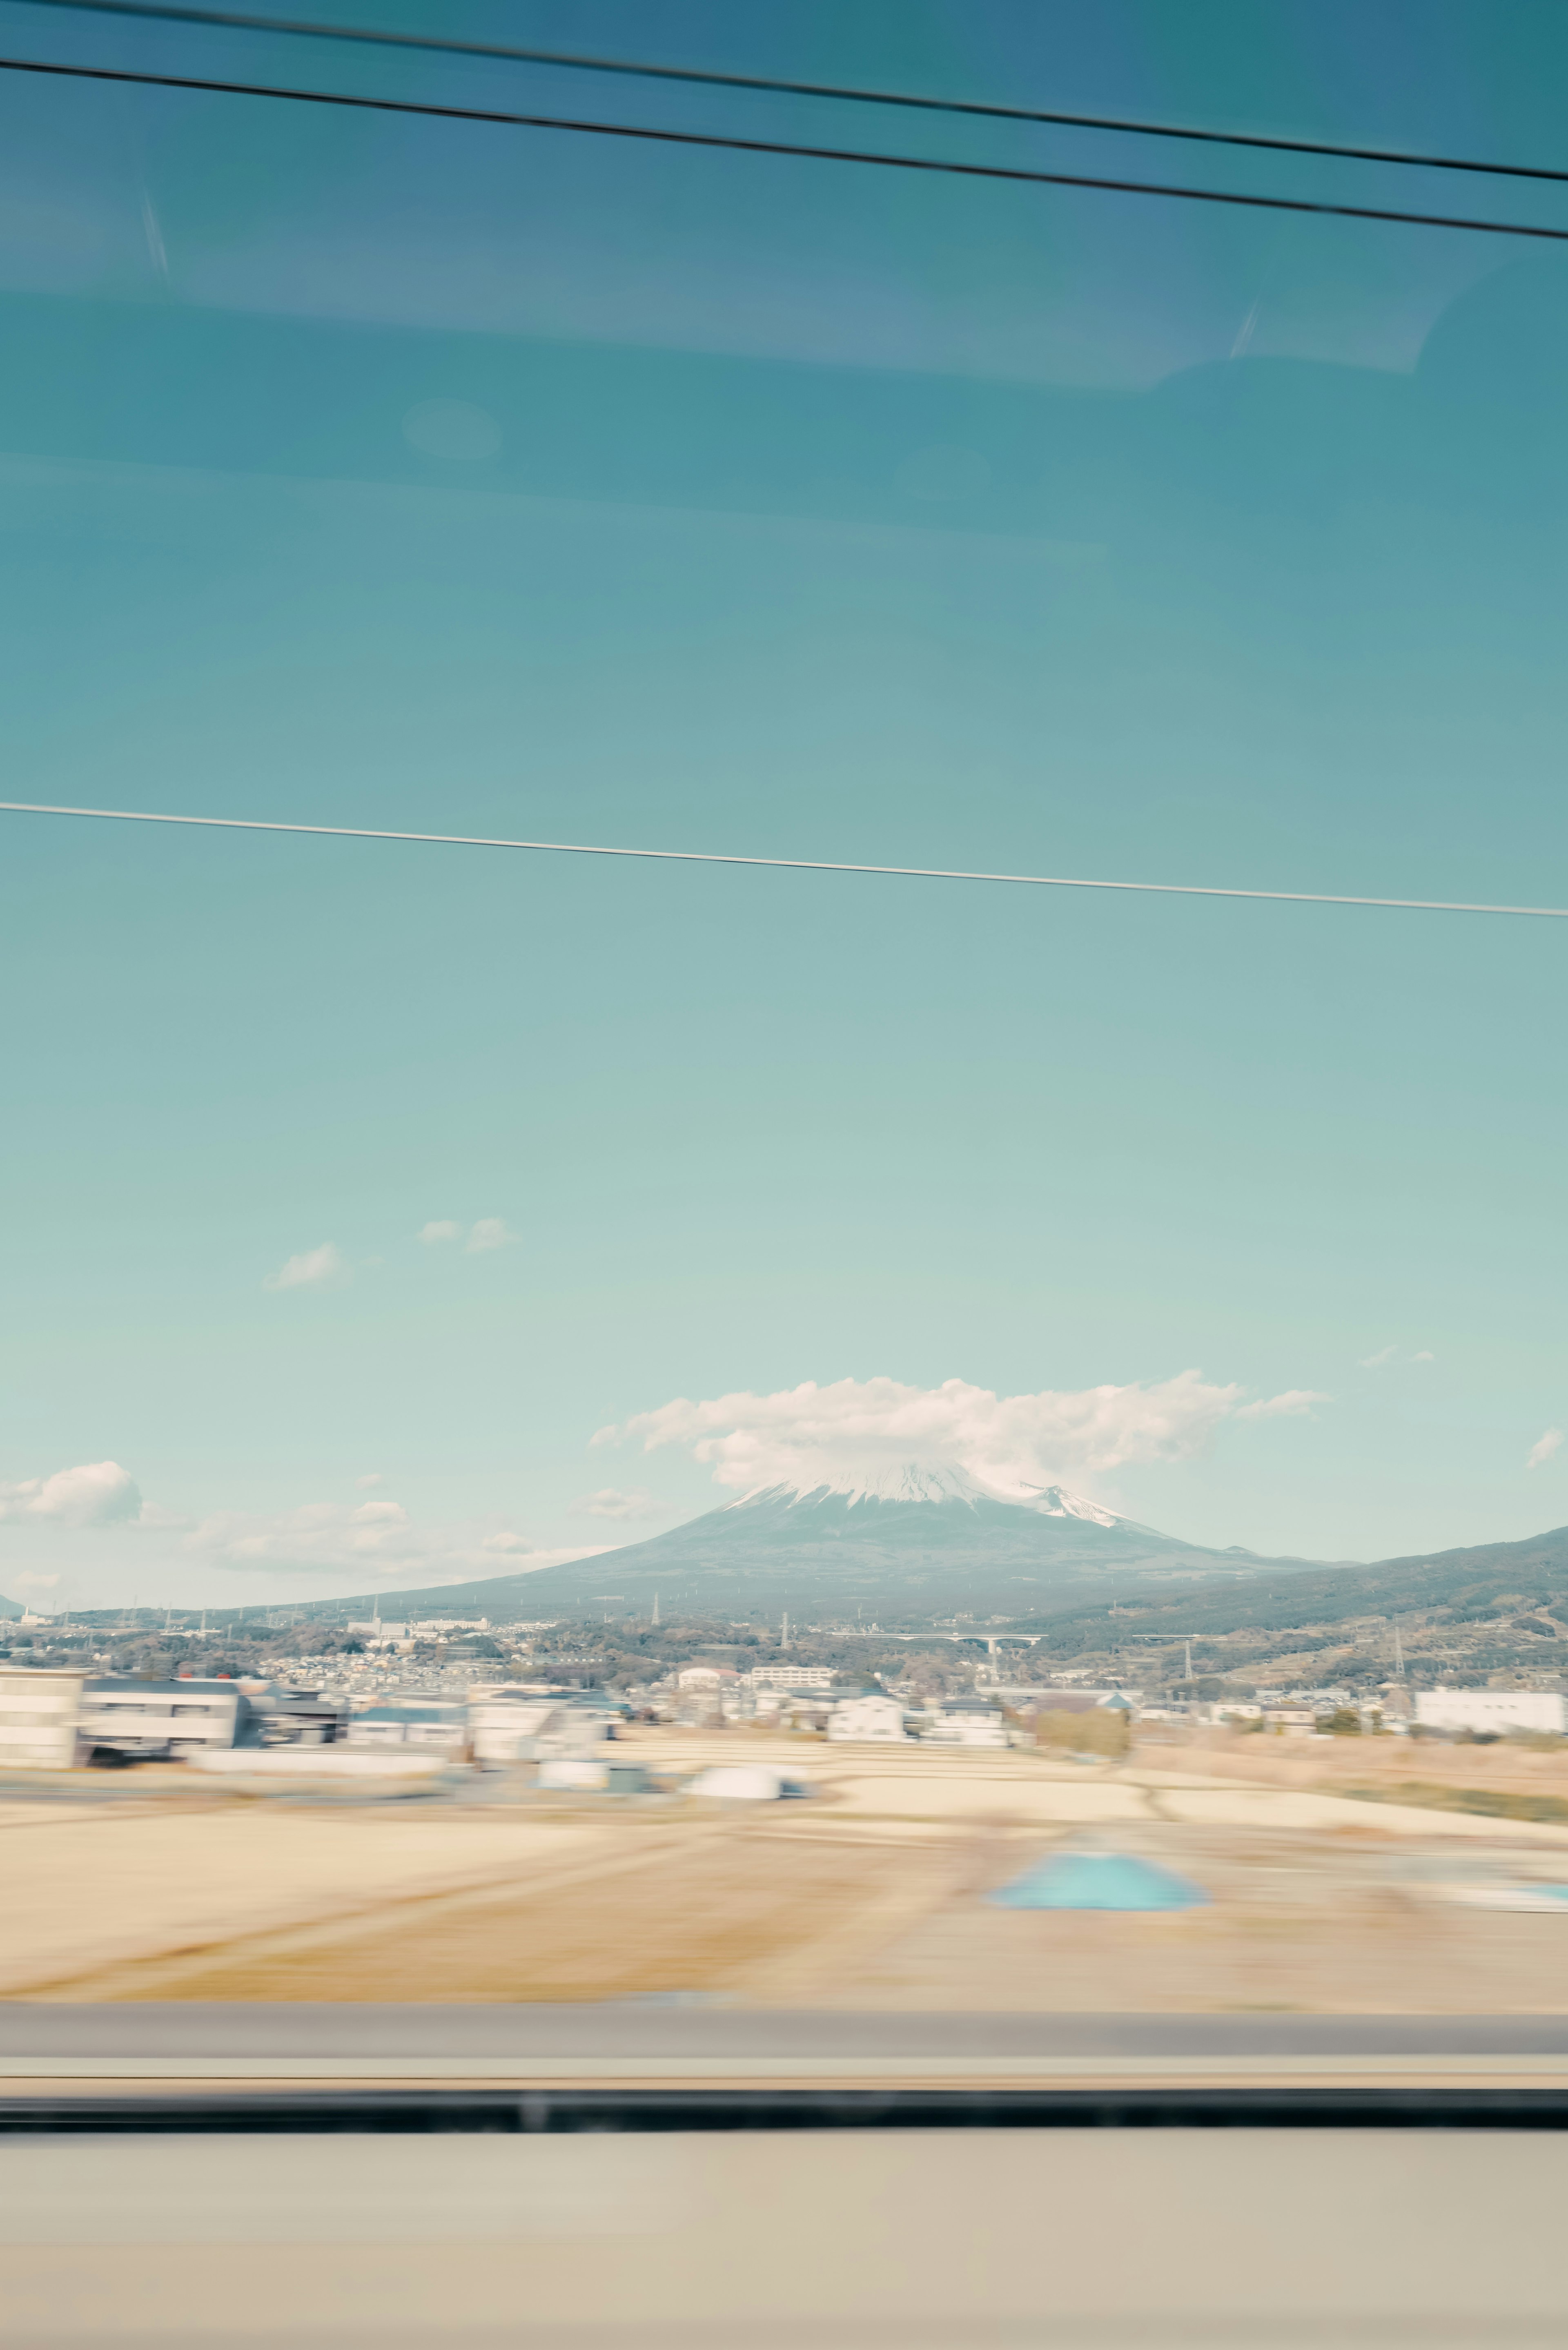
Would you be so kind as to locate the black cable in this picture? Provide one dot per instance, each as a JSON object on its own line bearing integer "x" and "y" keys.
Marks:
{"x": 772, "y": 147}
{"x": 497, "y": 52}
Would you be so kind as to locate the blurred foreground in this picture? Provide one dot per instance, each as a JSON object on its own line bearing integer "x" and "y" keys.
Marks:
{"x": 993, "y": 2238}
{"x": 1340, "y": 1877}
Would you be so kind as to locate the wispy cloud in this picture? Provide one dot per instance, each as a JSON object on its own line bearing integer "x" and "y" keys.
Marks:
{"x": 611, "y": 1503}
{"x": 1544, "y": 1446}
{"x": 317, "y": 1268}
{"x": 378, "y": 1541}
{"x": 1391, "y": 1355}
{"x": 1296, "y": 1403}
{"x": 365, "y": 1484}
{"x": 1011, "y": 1444}
{"x": 489, "y": 1233}
{"x": 98, "y": 1493}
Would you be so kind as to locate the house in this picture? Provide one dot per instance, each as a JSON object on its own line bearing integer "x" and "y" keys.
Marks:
{"x": 294, "y": 1717}
{"x": 965, "y": 1722}
{"x": 865, "y": 1720}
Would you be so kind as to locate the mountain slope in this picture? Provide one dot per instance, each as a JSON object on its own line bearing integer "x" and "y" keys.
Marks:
{"x": 907, "y": 1544}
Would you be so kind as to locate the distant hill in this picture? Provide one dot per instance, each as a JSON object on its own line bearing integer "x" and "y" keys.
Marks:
{"x": 1469, "y": 1585}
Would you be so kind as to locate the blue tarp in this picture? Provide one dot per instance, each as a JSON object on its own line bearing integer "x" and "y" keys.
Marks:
{"x": 1098, "y": 1880}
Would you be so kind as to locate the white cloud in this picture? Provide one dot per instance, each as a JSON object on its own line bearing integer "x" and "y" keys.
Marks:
{"x": 611, "y": 1503}
{"x": 315, "y": 1268}
{"x": 489, "y": 1233}
{"x": 1375, "y": 1362}
{"x": 365, "y": 1484}
{"x": 1544, "y": 1446}
{"x": 1424, "y": 1356}
{"x": 1296, "y": 1403}
{"x": 29, "y": 1581}
{"x": 433, "y": 1234}
{"x": 374, "y": 1540}
{"x": 1011, "y": 1444}
{"x": 101, "y": 1494}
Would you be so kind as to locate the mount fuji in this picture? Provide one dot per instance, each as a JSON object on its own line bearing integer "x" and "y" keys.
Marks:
{"x": 899, "y": 1542}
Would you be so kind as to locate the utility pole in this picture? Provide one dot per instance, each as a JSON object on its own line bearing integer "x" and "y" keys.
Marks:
{"x": 1398, "y": 1657}
{"x": 783, "y": 1635}
{"x": 656, "y": 1608}
{"x": 1189, "y": 1646}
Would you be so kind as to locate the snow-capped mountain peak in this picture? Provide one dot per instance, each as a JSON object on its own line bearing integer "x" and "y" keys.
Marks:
{"x": 903, "y": 1481}
{"x": 1055, "y": 1502}
{"x": 908, "y": 1481}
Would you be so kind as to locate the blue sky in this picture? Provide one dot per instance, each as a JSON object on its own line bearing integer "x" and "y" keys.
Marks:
{"x": 480, "y": 481}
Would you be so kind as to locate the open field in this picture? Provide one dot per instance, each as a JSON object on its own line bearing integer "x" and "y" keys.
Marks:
{"x": 871, "y": 1896}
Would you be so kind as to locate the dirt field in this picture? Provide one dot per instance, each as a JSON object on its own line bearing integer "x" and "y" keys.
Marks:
{"x": 745, "y": 1908}
{"x": 872, "y": 1898}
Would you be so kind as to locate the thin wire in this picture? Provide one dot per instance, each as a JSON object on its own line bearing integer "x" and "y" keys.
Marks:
{"x": 772, "y": 147}
{"x": 777, "y": 864}
{"x": 434, "y": 44}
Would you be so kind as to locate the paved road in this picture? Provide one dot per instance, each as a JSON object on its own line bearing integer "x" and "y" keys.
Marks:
{"x": 657, "y": 2030}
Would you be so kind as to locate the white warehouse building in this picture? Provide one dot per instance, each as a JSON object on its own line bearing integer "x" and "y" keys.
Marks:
{"x": 1496, "y": 1711}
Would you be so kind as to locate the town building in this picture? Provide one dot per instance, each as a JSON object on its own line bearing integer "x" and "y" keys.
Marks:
{"x": 436, "y": 1727}
{"x": 154, "y": 1721}
{"x": 38, "y": 1719}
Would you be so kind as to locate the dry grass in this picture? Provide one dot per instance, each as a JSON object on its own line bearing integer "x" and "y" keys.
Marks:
{"x": 743, "y": 1909}
{"x": 1334, "y": 1765}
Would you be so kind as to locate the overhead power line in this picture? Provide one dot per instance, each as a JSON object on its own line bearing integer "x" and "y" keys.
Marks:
{"x": 736, "y": 145}
{"x": 778, "y": 864}
{"x": 496, "y": 52}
